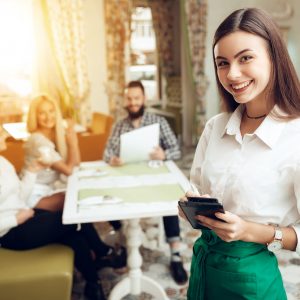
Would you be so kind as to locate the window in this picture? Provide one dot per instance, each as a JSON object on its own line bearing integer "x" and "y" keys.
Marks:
{"x": 143, "y": 56}
{"x": 16, "y": 52}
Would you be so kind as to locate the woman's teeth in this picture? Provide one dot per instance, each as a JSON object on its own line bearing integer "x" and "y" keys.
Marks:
{"x": 241, "y": 85}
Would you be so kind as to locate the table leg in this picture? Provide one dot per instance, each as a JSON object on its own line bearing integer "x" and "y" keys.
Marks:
{"x": 136, "y": 282}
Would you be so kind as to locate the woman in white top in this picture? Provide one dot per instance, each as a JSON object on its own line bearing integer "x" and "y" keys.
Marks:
{"x": 57, "y": 147}
{"x": 249, "y": 158}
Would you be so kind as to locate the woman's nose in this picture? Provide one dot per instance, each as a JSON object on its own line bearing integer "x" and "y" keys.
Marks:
{"x": 233, "y": 72}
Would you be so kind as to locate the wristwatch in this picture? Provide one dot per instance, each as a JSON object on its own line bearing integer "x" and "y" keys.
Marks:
{"x": 277, "y": 242}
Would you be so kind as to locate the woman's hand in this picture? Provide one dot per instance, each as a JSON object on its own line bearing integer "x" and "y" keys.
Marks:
{"x": 37, "y": 165}
{"x": 232, "y": 229}
{"x": 71, "y": 136}
{"x": 23, "y": 215}
{"x": 184, "y": 198}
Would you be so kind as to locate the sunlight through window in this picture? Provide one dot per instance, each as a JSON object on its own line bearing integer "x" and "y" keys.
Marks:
{"x": 143, "y": 52}
{"x": 16, "y": 49}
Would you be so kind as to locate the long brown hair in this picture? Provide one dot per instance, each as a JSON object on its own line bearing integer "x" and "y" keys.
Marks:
{"x": 284, "y": 87}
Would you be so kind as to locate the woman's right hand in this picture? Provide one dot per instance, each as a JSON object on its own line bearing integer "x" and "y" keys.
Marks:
{"x": 71, "y": 135}
{"x": 184, "y": 198}
{"x": 23, "y": 215}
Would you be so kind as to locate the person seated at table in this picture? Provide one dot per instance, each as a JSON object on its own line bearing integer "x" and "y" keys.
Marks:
{"x": 168, "y": 149}
{"x": 22, "y": 227}
{"x": 57, "y": 146}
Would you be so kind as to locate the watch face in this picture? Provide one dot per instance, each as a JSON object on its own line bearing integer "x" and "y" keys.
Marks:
{"x": 275, "y": 246}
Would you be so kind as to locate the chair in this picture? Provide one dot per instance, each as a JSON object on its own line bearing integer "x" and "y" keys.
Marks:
{"x": 101, "y": 123}
{"x": 92, "y": 143}
{"x": 42, "y": 273}
{"x": 14, "y": 153}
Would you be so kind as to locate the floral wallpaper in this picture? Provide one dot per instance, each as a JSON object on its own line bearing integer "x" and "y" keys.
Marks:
{"x": 117, "y": 22}
{"x": 195, "y": 17}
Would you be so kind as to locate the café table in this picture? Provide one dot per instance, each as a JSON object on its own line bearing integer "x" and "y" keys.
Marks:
{"x": 143, "y": 192}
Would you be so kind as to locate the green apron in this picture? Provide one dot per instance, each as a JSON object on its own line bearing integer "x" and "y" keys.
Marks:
{"x": 233, "y": 271}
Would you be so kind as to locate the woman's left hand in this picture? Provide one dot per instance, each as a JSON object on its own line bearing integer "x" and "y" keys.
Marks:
{"x": 232, "y": 229}
{"x": 71, "y": 136}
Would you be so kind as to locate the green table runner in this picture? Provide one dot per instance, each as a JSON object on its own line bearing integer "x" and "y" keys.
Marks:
{"x": 156, "y": 193}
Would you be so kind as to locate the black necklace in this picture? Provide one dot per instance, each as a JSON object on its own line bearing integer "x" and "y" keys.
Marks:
{"x": 255, "y": 118}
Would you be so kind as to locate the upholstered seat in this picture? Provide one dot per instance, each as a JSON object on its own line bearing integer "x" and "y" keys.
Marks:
{"x": 44, "y": 273}
{"x": 92, "y": 143}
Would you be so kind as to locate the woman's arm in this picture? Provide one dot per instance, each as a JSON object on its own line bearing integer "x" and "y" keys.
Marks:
{"x": 11, "y": 198}
{"x": 73, "y": 153}
{"x": 72, "y": 143}
{"x": 235, "y": 228}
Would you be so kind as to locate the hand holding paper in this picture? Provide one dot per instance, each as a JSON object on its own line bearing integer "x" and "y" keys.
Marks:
{"x": 137, "y": 145}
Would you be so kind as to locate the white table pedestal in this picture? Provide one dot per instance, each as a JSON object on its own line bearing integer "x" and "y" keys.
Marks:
{"x": 136, "y": 282}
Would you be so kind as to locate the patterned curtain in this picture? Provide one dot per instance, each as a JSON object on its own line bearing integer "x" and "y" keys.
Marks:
{"x": 117, "y": 20}
{"x": 163, "y": 26}
{"x": 195, "y": 18}
{"x": 61, "y": 62}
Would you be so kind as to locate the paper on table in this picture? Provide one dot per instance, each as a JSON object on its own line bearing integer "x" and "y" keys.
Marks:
{"x": 136, "y": 145}
{"x": 91, "y": 173}
{"x": 94, "y": 200}
{"x": 17, "y": 130}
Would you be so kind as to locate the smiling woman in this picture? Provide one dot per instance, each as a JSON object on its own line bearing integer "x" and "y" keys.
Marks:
{"x": 240, "y": 160}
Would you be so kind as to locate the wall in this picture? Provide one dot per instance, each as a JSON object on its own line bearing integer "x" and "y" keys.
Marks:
{"x": 96, "y": 53}
{"x": 218, "y": 10}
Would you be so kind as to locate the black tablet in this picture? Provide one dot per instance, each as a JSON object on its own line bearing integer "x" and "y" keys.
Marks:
{"x": 206, "y": 208}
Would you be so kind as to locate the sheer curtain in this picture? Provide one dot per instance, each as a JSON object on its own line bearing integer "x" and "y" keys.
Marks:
{"x": 61, "y": 67}
{"x": 163, "y": 26}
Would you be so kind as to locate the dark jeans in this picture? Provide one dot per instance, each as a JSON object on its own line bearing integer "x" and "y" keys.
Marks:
{"x": 171, "y": 225}
{"x": 46, "y": 227}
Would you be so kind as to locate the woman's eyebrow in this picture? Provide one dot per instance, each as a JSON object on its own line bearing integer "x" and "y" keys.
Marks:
{"x": 236, "y": 55}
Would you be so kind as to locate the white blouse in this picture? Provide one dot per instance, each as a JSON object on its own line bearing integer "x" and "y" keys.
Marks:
{"x": 13, "y": 194}
{"x": 46, "y": 178}
{"x": 32, "y": 146}
{"x": 256, "y": 177}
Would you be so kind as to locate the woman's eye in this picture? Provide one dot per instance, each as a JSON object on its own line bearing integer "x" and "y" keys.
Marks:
{"x": 246, "y": 58}
{"x": 221, "y": 64}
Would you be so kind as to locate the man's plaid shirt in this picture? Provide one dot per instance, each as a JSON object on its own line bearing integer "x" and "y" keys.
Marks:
{"x": 167, "y": 139}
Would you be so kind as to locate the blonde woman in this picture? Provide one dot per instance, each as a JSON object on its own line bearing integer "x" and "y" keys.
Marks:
{"x": 57, "y": 146}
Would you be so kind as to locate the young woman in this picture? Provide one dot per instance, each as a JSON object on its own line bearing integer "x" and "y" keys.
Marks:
{"x": 56, "y": 145}
{"x": 22, "y": 227}
{"x": 249, "y": 158}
